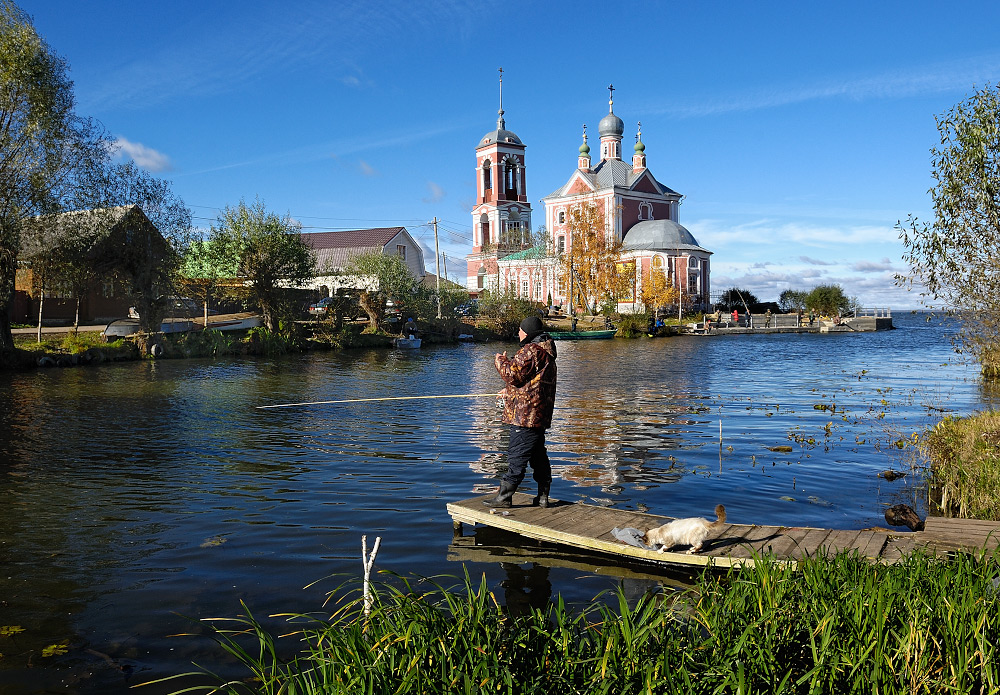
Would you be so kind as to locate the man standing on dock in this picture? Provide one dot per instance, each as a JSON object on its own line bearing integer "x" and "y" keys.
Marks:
{"x": 528, "y": 400}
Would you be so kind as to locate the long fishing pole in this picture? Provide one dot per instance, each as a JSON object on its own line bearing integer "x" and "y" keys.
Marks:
{"x": 372, "y": 400}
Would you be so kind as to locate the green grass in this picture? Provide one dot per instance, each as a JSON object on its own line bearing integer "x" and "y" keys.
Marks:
{"x": 964, "y": 455}
{"x": 837, "y": 625}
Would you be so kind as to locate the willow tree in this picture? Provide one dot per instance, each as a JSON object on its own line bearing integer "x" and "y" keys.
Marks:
{"x": 268, "y": 254}
{"x": 44, "y": 145}
{"x": 378, "y": 277}
{"x": 592, "y": 261}
{"x": 953, "y": 258}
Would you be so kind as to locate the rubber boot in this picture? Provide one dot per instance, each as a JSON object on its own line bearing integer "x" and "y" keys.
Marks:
{"x": 503, "y": 496}
{"x": 542, "y": 499}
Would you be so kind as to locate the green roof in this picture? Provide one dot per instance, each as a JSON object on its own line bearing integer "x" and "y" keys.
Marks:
{"x": 527, "y": 254}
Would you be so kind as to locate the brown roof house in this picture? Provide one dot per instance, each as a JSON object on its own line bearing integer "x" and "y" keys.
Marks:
{"x": 334, "y": 251}
{"x": 91, "y": 260}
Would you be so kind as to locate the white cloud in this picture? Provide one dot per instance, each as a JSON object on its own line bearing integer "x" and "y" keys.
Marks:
{"x": 872, "y": 267}
{"x": 436, "y": 193}
{"x": 367, "y": 169}
{"x": 146, "y": 157}
{"x": 814, "y": 261}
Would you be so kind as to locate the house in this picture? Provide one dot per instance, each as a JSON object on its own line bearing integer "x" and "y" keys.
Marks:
{"x": 113, "y": 243}
{"x": 639, "y": 211}
{"x": 334, "y": 251}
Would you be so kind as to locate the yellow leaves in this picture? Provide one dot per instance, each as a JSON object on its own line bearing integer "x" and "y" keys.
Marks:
{"x": 10, "y": 630}
{"x": 56, "y": 649}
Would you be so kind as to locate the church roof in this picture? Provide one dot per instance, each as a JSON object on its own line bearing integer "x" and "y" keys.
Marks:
{"x": 610, "y": 173}
{"x": 501, "y": 135}
{"x": 660, "y": 235}
{"x": 527, "y": 254}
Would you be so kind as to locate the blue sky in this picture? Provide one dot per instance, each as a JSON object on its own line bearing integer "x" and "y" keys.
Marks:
{"x": 799, "y": 132}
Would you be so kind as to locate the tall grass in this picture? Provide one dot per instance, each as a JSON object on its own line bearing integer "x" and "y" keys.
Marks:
{"x": 837, "y": 625}
{"x": 964, "y": 456}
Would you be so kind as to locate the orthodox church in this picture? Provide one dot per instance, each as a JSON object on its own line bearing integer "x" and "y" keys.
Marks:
{"x": 638, "y": 210}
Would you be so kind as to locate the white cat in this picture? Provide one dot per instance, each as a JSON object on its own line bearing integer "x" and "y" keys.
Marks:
{"x": 692, "y": 531}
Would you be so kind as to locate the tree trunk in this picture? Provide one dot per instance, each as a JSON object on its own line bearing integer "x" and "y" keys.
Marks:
{"x": 76, "y": 319}
{"x": 365, "y": 300}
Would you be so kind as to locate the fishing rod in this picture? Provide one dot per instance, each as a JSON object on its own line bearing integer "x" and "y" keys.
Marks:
{"x": 372, "y": 400}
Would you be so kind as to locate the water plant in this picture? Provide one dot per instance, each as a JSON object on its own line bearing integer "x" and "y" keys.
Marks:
{"x": 964, "y": 455}
{"x": 836, "y": 624}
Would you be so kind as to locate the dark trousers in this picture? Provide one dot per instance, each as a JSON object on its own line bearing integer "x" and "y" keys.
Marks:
{"x": 527, "y": 446}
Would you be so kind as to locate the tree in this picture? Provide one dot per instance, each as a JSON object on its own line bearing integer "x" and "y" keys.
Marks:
{"x": 738, "y": 298}
{"x": 268, "y": 255}
{"x": 203, "y": 268}
{"x": 379, "y": 277}
{"x": 792, "y": 300}
{"x": 592, "y": 260}
{"x": 828, "y": 299}
{"x": 657, "y": 290}
{"x": 44, "y": 145}
{"x": 953, "y": 257}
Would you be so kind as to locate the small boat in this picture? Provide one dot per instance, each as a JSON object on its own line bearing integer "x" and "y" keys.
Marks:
{"x": 407, "y": 343}
{"x": 120, "y": 328}
{"x": 234, "y": 322}
{"x": 582, "y": 335}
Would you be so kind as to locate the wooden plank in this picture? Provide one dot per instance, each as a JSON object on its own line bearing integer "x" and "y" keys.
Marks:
{"x": 870, "y": 544}
{"x": 589, "y": 527}
{"x": 840, "y": 541}
{"x": 810, "y": 543}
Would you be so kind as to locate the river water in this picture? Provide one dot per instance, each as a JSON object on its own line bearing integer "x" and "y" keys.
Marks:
{"x": 135, "y": 497}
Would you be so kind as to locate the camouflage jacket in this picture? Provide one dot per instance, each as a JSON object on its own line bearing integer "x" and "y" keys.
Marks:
{"x": 530, "y": 377}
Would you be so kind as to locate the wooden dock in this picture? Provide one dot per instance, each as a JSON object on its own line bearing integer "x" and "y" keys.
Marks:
{"x": 589, "y": 527}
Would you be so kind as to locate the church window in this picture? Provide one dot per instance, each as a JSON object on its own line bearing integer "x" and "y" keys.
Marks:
{"x": 561, "y": 245}
{"x": 658, "y": 262}
{"x": 487, "y": 176}
{"x": 484, "y": 228}
{"x": 510, "y": 171}
{"x": 481, "y": 277}
{"x": 538, "y": 289}
{"x": 645, "y": 211}
{"x": 562, "y": 217}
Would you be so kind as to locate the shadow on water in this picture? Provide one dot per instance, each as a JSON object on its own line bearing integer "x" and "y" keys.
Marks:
{"x": 134, "y": 494}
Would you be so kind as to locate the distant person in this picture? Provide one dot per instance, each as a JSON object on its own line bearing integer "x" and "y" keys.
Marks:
{"x": 529, "y": 396}
{"x": 410, "y": 328}
{"x": 749, "y": 320}
{"x": 767, "y": 319}
{"x": 812, "y": 317}
{"x": 736, "y": 317}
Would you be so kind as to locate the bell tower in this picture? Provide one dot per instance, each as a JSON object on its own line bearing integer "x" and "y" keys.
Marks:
{"x": 501, "y": 217}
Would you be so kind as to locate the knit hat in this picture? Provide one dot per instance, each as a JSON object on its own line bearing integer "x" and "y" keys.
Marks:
{"x": 532, "y": 326}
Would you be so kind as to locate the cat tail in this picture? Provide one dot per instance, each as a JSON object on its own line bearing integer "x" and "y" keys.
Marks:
{"x": 720, "y": 513}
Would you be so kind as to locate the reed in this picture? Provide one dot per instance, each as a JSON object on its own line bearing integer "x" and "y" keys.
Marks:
{"x": 964, "y": 455}
{"x": 837, "y": 625}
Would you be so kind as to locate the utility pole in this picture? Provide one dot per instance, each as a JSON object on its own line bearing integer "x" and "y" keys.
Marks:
{"x": 437, "y": 265}
{"x": 444, "y": 262}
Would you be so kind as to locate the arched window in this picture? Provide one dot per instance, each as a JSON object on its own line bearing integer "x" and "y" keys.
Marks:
{"x": 481, "y": 277}
{"x": 645, "y": 211}
{"x": 487, "y": 176}
{"x": 658, "y": 262}
{"x": 562, "y": 217}
{"x": 525, "y": 286}
{"x": 510, "y": 174}
{"x": 484, "y": 229}
{"x": 538, "y": 290}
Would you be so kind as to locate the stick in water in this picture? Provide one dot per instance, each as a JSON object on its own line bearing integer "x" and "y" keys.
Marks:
{"x": 367, "y": 562}
{"x": 372, "y": 400}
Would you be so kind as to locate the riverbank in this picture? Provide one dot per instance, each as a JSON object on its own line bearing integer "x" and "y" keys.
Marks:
{"x": 964, "y": 457}
{"x": 767, "y": 628}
